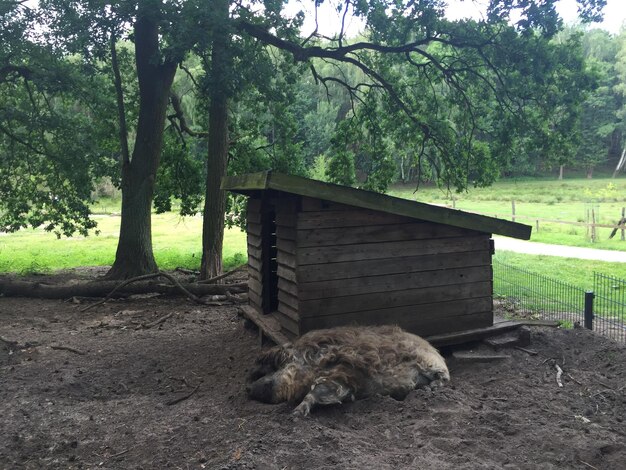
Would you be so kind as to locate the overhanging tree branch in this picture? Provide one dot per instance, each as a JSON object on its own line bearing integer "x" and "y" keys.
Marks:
{"x": 119, "y": 95}
{"x": 180, "y": 115}
{"x": 13, "y": 72}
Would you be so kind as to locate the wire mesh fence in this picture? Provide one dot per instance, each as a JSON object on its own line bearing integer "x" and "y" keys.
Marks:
{"x": 527, "y": 294}
{"x": 522, "y": 293}
{"x": 610, "y": 306}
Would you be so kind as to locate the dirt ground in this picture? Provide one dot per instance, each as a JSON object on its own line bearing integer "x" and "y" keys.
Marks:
{"x": 122, "y": 396}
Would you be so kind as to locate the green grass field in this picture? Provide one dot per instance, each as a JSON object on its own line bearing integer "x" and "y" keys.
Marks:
{"x": 577, "y": 272}
{"x": 176, "y": 243}
{"x": 567, "y": 200}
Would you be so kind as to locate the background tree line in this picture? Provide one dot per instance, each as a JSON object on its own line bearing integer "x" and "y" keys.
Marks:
{"x": 165, "y": 97}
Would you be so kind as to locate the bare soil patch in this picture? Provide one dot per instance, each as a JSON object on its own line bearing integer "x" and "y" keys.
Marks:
{"x": 100, "y": 390}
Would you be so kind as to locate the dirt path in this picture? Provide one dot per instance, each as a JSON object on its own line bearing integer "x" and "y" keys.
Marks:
{"x": 99, "y": 390}
{"x": 533, "y": 248}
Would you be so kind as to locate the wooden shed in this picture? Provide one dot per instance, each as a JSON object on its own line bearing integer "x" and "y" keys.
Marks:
{"x": 322, "y": 255}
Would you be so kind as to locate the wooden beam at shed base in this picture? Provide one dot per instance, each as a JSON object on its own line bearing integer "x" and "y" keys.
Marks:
{"x": 271, "y": 328}
{"x": 459, "y": 337}
{"x": 268, "y": 325}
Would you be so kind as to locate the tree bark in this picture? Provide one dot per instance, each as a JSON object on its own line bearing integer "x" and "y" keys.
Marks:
{"x": 620, "y": 164}
{"x": 134, "y": 254}
{"x": 218, "y": 143}
{"x": 561, "y": 168}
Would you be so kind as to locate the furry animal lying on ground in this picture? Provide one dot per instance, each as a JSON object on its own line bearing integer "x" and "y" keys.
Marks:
{"x": 345, "y": 363}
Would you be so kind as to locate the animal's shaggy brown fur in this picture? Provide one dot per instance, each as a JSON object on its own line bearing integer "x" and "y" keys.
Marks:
{"x": 334, "y": 365}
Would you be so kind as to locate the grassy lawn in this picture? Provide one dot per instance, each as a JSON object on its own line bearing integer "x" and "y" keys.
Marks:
{"x": 577, "y": 272}
{"x": 176, "y": 242}
{"x": 568, "y": 200}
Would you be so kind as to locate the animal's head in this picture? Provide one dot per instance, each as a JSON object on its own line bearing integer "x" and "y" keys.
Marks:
{"x": 263, "y": 390}
{"x": 290, "y": 383}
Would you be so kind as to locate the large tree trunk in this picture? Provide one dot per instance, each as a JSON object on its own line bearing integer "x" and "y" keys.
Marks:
{"x": 217, "y": 158}
{"x": 134, "y": 254}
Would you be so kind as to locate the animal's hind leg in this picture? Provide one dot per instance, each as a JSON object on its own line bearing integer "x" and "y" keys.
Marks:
{"x": 325, "y": 391}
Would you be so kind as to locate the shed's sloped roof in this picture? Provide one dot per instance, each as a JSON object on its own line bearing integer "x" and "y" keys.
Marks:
{"x": 268, "y": 180}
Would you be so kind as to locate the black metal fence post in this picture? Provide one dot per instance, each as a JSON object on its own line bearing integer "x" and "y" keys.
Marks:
{"x": 589, "y": 295}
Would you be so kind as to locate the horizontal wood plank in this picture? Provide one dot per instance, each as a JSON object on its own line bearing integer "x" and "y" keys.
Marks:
{"x": 253, "y": 273}
{"x": 378, "y": 234}
{"x": 254, "y": 240}
{"x": 408, "y": 317}
{"x": 451, "y": 324}
{"x": 316, "y": 205}
{"x": 267, "y": 324}
{"x": 254, "y": 229}
{"x": 400, "y": 249}
{"x": 288, "y": 286}
{"x": 322, "y": 272}
{"x": 254, "y": 263}
{"x": 419, "y": 326}
{"x": 288, "y": 246}
{"x": 254, "y": 217}
{"x": 288, "y": 299}
{"x": 353, "y": 218}
{"x": 392, "y": 282}
{"x": 285, "y": 233}
{"x": 287, "y": 323}
{"x": 287, "y": 310}
{"x": 254, "y": 251}
{"x": 255, "y": 286}
{"x": 286, "y": 259}
{"x": 473, "y": 334}
{"x": 415, "y": 297}
{"x": 254, "y": 204}
{"x": 286, "y": 273}
{"x": 286, "y": 218}
{"x": 255, "y": 300}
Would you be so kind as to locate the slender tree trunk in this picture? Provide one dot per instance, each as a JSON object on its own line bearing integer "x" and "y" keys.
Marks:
{"x": 561, "y": 168}
{"x": 589, "y": 172}
{"x": 134, "y": 254}
{"x": 620, "y": 164}
{"x": 217, "y": 158}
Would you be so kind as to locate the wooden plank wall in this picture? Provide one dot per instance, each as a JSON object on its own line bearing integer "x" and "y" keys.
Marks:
{"x": 287, "y": 311}
{"x": 361, "y": 266}
{"x": 255, "y": 278}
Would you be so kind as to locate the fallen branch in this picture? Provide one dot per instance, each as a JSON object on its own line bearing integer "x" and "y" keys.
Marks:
{"x": 559, "y": 373}
{"x": 527, "y": 351}
{"x": 142, "y": 278}
{"x": 214, "y": 279}
{"x": 183, "y": 398}
{"x": 13, "y": 288}
{"x": 234, "y": 299}
{"x": 156, "y": 322}
{"x": 8, "y": 342}
{"x": 588, "y": 464}
{"x": 573, "y": 379}
{"x": 119, "y": 454}
{"x": 552, "y": 323}
{"x": 187, "y": 271}
{"x": 472, "y": 357}
{"x": 67, "y": 348}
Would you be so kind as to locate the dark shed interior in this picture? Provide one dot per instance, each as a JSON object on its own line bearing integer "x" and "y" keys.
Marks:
{"x": 322, "y": 255}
